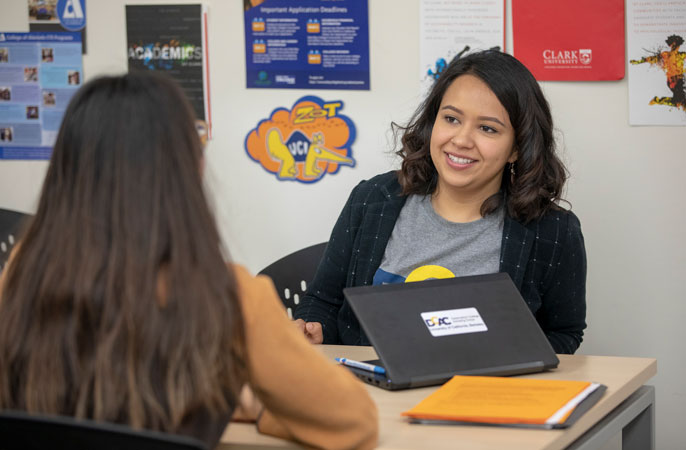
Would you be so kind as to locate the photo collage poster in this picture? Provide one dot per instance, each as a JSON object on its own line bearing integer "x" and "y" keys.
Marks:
{"x": 39, "y": 73}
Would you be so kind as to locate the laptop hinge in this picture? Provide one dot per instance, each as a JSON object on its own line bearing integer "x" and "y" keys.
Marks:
{"x": 510, "y": 369}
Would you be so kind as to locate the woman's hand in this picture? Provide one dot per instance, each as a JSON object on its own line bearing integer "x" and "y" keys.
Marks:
{"x": 249, "y": 406}
{"x": 311, "y": 330}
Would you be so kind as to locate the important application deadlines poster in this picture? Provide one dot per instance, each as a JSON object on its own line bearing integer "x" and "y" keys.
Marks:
{"x": 307, "y": 44}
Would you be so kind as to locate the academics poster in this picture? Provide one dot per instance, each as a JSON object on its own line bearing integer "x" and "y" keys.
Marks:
{"x": 172, "y": 39}
{"x": 449, "y": 29}
{"x": 307, "y": 44}
{"x": 570, "y": 40}
{"x": 657, "y": 60}
{"x": 57, "y": 16}
{"x": 39, "y": 73}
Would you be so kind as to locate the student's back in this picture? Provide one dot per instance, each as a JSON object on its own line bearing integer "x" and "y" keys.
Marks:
{"x": 117, "y": 304}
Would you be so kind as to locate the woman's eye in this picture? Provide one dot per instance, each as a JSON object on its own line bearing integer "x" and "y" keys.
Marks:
{"x": 488, "y": 129}
{"x": 451, "y": 119}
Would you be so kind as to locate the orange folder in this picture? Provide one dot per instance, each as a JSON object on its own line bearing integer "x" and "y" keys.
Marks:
{"x": 503, "y": 401}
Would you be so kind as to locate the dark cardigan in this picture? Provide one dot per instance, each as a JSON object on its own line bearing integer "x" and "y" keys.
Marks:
{"x": 546, "y": 259}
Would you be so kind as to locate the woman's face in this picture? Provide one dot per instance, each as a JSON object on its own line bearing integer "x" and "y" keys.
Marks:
{"x": 472, "y": 140}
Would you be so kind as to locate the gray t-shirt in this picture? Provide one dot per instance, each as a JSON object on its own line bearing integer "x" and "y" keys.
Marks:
{"x": 424, "y": 245}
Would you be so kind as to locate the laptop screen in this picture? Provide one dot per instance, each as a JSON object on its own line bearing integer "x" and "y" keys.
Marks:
{"x": 468, "y": 325}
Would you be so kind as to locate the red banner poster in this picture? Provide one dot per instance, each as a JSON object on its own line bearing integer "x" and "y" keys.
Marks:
{"x": 565, "y": 40}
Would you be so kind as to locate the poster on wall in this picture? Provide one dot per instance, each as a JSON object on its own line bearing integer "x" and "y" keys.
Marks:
{"x": 39, "y": 73}
{"x": 657, "y": 62}
{"x": 58, "y": 15}
{"x": 570, "y": 40}
{"x": 305, "y": 142}
{"x": 452, "y": 28}
{"x": 307, "y": 44}
{"x": 173, "y": 39}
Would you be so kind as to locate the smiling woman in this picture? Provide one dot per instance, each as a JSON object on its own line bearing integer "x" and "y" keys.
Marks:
{"x": 478, "y": 192}
{"x": 471, "y": 141}
{"x": 500, "y": 84}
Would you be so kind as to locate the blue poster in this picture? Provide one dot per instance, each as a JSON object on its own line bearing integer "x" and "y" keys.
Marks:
{"x": 39, "y": 73}
{"x": 58, "y": 15}
{"x": 307, "y": 44}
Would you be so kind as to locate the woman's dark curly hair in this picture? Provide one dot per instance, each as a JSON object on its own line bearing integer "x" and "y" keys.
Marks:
{"x": 675, "y": 39}
{"x": 540, "y": 175}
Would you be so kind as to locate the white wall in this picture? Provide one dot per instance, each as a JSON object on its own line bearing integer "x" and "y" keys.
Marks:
{"x": 627, "y": 183}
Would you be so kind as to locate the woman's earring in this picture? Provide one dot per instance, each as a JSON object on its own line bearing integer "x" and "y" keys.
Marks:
{"x": 512, "y": 173}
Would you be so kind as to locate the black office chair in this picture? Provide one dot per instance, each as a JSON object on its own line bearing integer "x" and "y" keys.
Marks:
{"x": 10, "y": 227}
{"x": 291, "y": 274}
{"x": 22, "y": 431}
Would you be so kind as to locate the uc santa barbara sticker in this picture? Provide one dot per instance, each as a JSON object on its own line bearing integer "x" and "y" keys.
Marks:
{"x": 303, "y": 143}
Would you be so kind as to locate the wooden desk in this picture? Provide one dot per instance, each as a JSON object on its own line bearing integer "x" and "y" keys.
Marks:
{"x": 623, "y": 377}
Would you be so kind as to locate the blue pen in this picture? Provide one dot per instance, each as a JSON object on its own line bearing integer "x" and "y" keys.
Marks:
{"x": 361, "y": 365}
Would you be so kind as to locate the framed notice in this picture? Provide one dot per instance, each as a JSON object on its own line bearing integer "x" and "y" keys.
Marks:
{"x": 39, "y": 73}
{"x": 172, "y": 39}
{"x": 307, "y": 44}
{"x": 570, "y": 40}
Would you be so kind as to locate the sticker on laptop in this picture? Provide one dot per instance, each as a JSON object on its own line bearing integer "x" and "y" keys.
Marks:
{"x": 454, "y": 321}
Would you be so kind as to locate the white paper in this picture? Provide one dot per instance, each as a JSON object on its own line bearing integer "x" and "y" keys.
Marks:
{"x": 649, "y": 25}
{"x": 449, "y": 27}
{"x": 573, "y": 403}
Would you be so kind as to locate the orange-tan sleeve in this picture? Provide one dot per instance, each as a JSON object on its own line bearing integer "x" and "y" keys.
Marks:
{"x": 307, "y": 398}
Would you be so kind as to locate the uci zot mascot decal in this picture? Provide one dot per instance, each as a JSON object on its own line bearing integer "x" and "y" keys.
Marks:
{"x": 304, "y": 143}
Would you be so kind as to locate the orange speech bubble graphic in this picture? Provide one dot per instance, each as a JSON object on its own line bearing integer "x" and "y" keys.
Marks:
{"x": 304, "y": 143}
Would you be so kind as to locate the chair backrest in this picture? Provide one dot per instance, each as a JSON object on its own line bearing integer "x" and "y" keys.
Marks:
{"x": 19, "y": 430}
{"x": 10, "y": 226}
{"x": 293, "y": 272}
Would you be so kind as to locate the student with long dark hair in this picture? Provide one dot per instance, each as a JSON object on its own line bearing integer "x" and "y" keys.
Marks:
{"x": 478, "y": 192}
{"x": 117, "y": 304}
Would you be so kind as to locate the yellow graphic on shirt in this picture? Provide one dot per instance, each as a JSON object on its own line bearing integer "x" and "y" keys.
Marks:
{"x": 429, "y": 272}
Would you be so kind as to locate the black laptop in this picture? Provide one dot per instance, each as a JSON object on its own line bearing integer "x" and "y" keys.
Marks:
{"x": 425, "y": 332}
